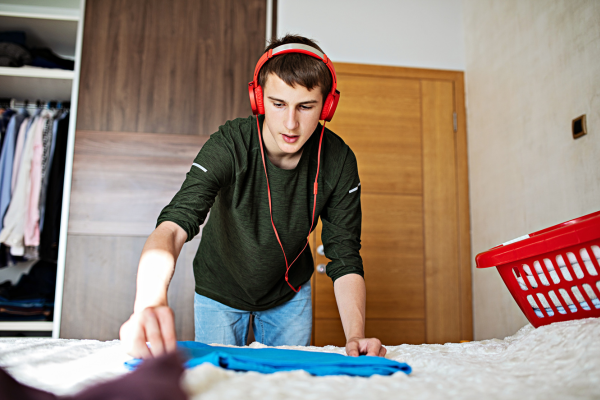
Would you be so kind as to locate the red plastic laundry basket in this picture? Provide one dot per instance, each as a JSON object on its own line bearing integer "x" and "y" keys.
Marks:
{"x": 543, "y": 247}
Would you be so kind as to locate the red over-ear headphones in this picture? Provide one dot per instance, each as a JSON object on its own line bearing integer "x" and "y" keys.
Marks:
{"x": 258, "y": 107}
{"x": 256, "y": 92}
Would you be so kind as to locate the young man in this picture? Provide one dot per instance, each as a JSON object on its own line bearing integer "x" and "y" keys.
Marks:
{"x": 257, "y": 177}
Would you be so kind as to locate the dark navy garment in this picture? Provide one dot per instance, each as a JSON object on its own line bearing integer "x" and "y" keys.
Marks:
{"x": 271, "y": 360}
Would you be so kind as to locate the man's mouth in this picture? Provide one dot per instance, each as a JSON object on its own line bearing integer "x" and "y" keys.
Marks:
{"x": 289, "y": 138}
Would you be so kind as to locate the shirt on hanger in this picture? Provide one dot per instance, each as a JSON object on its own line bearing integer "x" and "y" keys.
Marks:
{"x": 7, "y": 159}
{"x": 19, "y": 149}
{"x": 31, "y": 234}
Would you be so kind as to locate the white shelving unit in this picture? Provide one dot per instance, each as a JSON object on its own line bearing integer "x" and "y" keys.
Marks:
{"x": 33, "y": 10}
{"x": 35, "y": 72}
{"x": 58, "y": 25}
{"x": 36, "y": 83}
{"x": 30, "y": 326}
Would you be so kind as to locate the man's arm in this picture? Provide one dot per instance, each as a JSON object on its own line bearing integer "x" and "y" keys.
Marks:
{"x": 342, "y": 219}
{"x": 152, "y": 319}
{"x": 350, "y": 295}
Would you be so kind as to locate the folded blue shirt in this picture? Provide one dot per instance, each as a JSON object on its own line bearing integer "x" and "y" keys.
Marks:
{"x": 271, "y": 360}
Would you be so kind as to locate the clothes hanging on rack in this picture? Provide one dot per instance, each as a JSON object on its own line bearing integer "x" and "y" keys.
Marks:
{"x": 32, "y": 167}
{"x": 13, "y": 232}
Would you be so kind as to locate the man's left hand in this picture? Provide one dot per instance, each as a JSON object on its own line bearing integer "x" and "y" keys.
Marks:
{"x": 362, "y": 346}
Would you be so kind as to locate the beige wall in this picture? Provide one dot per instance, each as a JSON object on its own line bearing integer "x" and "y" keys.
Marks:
{"x": 531, "y": 67}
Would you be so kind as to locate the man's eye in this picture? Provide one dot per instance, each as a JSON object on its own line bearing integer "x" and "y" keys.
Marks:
{"x": 278, "y": 104}
{"x": 306, "y": 107}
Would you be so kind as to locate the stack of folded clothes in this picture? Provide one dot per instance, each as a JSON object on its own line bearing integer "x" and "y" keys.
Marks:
{"x": 32, "y": 298}
{"x": 563, "y": 274}
{"x": 15, "y": 53}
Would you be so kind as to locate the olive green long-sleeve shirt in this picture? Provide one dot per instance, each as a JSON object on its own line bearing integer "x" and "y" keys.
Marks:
{"x": 239, "y": 262}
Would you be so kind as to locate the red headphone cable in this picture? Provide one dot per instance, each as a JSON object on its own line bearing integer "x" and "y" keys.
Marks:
{"x": 315, "y": 189}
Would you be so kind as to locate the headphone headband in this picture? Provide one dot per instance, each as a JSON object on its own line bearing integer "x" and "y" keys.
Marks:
{"x": 330, "y": 104}
{"x": 296, "y": 48}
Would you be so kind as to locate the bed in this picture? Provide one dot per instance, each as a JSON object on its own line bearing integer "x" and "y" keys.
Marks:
{"x": 561, "y": 360}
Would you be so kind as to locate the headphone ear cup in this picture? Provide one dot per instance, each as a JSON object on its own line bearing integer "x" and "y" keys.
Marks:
{"x": 258, "y": 95}
{"x": 326, "y": 107}
{"x": 252, "y": 98}
{"x": 329, "y": 106}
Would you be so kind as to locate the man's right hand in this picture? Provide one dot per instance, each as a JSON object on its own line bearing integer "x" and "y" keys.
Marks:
{"x": 153, "y": 324}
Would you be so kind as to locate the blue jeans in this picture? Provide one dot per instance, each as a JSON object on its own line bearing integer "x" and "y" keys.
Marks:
{"x": 287, "y": 324}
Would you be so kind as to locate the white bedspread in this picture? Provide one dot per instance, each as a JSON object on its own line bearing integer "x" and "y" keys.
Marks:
{"x": 558, "y": 361}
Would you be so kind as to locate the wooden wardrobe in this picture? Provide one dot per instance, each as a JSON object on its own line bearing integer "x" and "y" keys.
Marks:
{"x": 157, "y": 78}
{"x": 407, "y": 129}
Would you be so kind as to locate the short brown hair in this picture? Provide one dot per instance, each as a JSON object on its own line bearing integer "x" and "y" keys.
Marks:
{"x": 295, "y": 68}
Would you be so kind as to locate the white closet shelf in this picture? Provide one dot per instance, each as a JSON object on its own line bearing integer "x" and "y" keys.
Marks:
{"x": 33, "y": 72}
{"x": 43, "y": 326}
{"x": 39, "y": 12}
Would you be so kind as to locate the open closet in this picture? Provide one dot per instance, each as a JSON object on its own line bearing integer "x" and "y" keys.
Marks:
{"x": 40, "y": 47}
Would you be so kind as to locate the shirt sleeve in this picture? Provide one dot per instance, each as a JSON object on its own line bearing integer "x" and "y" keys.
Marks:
{"x": 212, "y": 169}
{"x": 342, "y": 219}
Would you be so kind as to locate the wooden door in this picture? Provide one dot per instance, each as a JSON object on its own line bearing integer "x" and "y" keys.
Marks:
{"x": 402, "y": 125}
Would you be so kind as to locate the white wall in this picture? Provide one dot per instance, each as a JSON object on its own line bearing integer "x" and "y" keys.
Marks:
{"x": 408, "y": 33}
{"x": 531, "y": 67}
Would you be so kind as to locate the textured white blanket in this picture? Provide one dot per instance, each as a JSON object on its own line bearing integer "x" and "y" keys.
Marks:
{"x": 557, "y": 361}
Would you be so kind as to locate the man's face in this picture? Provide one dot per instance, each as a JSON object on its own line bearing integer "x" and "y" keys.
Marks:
{"x": 291, "y": 115}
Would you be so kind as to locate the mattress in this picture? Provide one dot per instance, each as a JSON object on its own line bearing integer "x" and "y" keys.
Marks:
{"x": 560, "y": 360}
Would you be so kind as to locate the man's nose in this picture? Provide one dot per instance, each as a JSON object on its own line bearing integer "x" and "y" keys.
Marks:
{"x": 291, "y": 119}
